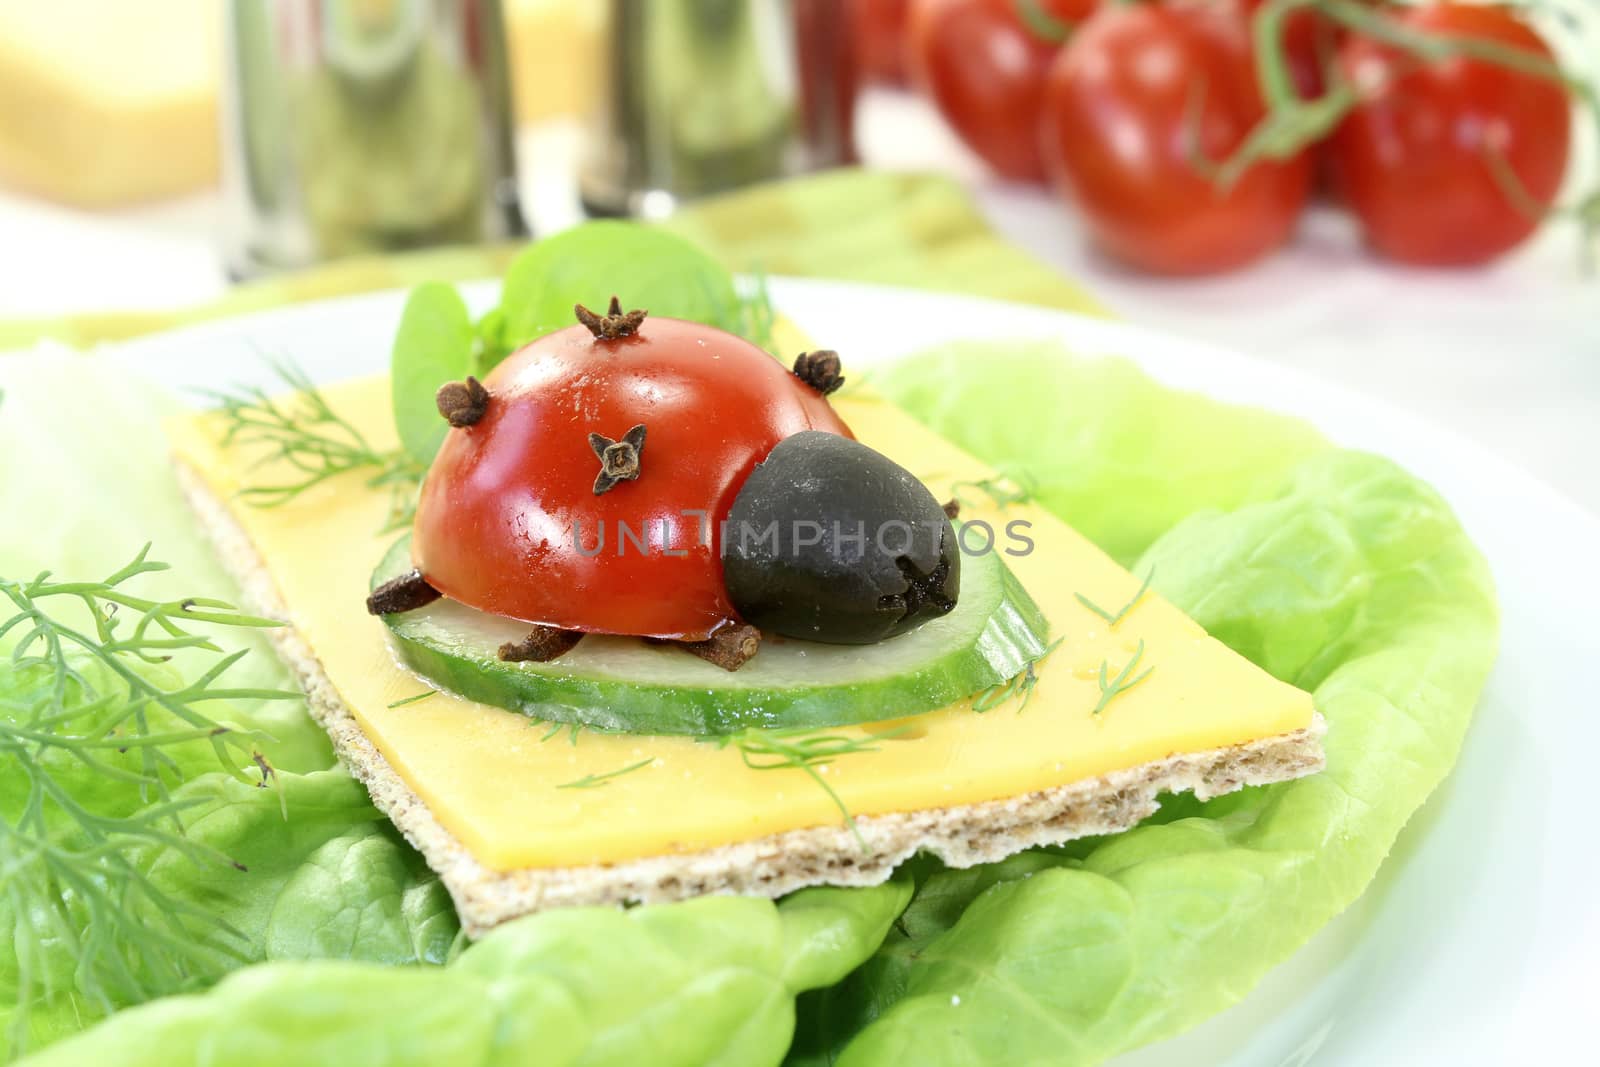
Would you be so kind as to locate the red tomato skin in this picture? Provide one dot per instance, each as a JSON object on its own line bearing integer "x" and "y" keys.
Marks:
{"x": 495, "y": 521}
{"x": 1118, "y": 134}
{"x": 879, "y": 28}
{"x": 984, "y": 70}
{"x": 1410, "y": 159}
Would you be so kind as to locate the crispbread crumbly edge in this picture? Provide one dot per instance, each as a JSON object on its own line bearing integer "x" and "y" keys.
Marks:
{"x": 962, "y": 835}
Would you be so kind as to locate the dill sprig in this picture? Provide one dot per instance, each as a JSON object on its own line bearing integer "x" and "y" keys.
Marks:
{"x": 1112, "y": 618}
{"x": 1115, "y": 687}
{"x": 800, "y": 750}
{"x": 1002, "y": 490}
{"x": 591, "y": 781}
{"x": 301, "y": 429}
{"x": 1022, "y": 682}
{"x": 93, "y": 699}
{"x": 416, "y": 699}
{"x": 573, "y": 730}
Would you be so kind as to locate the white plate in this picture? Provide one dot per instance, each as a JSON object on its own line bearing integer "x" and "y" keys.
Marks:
{"x": 1478, "y": 943}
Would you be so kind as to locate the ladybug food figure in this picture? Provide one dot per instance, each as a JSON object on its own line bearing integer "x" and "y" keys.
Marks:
{"x": 664, "y": 479}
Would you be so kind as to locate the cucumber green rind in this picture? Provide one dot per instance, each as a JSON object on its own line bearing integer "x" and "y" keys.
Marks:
{"x": 624, "y": 684}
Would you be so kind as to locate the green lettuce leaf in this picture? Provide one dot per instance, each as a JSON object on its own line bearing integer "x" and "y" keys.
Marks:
{"x": 710, "y": 981}
{"x": 1334, "y": 570}
{"x": 324, "y": 874}
{"x": 1098, "y": 442}
{"x": 1348, "y": 577}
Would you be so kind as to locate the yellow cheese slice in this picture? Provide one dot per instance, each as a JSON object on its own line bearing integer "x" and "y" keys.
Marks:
{"x": 111, "y": 103}
{"x": 491, "y": 779}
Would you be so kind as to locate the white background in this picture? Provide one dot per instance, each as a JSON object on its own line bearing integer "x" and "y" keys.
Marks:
{"x": 1508, "y": 355}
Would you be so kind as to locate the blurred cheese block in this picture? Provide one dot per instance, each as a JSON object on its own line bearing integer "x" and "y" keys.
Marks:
{"x": 111, "y": 102}
{"x": 104, "y": 102}
{"x": 555, "y": 49}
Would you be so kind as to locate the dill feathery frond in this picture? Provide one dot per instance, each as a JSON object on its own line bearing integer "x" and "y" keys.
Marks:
{"x": 1022, "y": 682}
{"x": 301, "y": 430}
{"x": 591, "y": 781}
{"x": 1115, "y": 687}
{"x": 88, "y": 703}
{"x": 802, "y": 750}
{"x": 1112, "y": 618}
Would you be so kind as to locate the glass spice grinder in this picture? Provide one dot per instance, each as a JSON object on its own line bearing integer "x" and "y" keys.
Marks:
{"x": 354, "y": 126}
{"x": 700, "y": 96}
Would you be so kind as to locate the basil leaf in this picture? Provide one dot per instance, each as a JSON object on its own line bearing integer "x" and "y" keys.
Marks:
{"x": 434, "y": 345}
{"x": 641, "y": 266}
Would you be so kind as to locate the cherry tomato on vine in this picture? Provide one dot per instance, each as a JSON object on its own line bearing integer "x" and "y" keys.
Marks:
{"x": 983, "y": 64}
{"x": 1139, "y": 106}
{"x": 1449, "y": 163}
{"x": 511, "y": 514}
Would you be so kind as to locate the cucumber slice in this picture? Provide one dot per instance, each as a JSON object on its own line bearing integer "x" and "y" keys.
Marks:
{"x": 622, "y": 683}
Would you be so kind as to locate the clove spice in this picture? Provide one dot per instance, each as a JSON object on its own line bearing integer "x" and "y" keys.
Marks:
{"x": 405, "y": 593}
{"x": 613, "y": 324}
{"x": 820, "y": 370}
{"x": 619, "y": 460}
{"x": 462, "y": 403}
{"x": 729, "y": 648}
{"x": 543, "y": 644}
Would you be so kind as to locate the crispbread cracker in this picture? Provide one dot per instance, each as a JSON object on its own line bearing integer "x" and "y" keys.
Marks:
{"x": 962, "y": 835}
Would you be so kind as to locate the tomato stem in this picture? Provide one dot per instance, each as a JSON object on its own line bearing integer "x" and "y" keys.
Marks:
{"x": 1512, "y": 187}
{"x": 1291, "y": 122}
{"x": 1586, "y": 212}
{"x": 1277, "y": 85}
{"x": 1278, "y": 88}
{"x": 1041, "y": 24}
{"x": 1440, "y": 46}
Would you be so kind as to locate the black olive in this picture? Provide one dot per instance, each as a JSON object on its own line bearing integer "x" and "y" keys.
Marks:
{"x": 831, "y": 541}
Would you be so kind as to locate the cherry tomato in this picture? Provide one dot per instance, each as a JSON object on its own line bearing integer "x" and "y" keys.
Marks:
{"x": 1415, "y": 159}
{"x": 509, "y": 520}
{"x": 1136, "y": 104}
{"x": 983, "y": 66}
{"x": 879, "y": 28}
